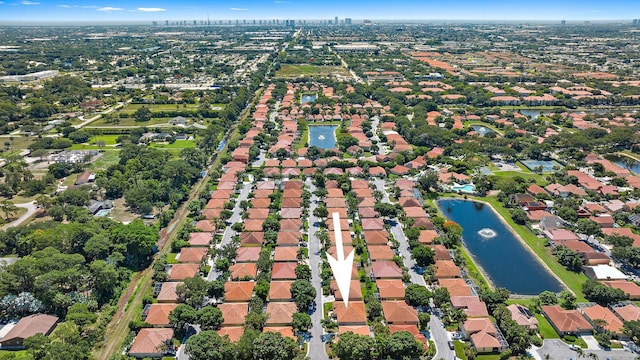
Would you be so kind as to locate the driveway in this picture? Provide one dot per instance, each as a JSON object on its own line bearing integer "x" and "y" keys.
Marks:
{"x": 31, "y": 209}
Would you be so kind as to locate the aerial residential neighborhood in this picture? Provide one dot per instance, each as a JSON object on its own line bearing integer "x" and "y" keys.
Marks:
{"x": 317, "y": 189}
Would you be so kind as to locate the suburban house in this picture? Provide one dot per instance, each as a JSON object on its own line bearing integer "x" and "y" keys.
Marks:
{"x": 152, "y": 343}
{"x": 523, "y": 317}
{"x": 566, "y": 322}
{"x": 27, "y": 327}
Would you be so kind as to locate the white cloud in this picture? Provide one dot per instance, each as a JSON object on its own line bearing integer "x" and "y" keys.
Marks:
{"x": 110, "y": 8}
{"x": 26, "y": 2}
{"x": 68, "y": 6}
{"x": 238, "y": 9}
{"x": 152, "y": 9}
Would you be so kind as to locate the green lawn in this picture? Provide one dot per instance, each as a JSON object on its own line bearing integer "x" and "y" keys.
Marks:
{"x": 573, "y": 280}
{"x": 540, "y": 180}
{"x": 129, "y": 122}
{"x": 473, "y": 271}
{"x": 178, "y": 144}
{"x": 545, "y": 329}
{"x": 459, "y": 349}
{"x": 18, "y": 355}
{"x": 171, "y": 258}
{"x": 291, "y": 70}
{"x": 108, "y": 139}
{"x": 108, "y": 158}
{"x": 131, "y": 108}
{"x": 488, "y": 357}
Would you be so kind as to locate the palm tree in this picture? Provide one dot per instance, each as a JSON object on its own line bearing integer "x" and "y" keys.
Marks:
{"x": 592, "y": 356}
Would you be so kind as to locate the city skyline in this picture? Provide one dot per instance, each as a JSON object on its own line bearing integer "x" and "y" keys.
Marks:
{"x": 118, "y": 10}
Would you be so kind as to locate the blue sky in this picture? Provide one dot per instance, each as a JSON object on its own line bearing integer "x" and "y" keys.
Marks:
{"x": 124, "y": 10}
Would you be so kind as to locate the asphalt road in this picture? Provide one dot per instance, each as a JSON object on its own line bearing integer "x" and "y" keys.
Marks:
{"x": 558, "y": 350}
{"x": 437, "y": 330}
{"x": 316, "y": 349}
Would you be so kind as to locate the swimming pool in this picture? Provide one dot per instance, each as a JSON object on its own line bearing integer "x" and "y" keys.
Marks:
{"x": 103, "y": 212}
{"x": 467, "y": 188}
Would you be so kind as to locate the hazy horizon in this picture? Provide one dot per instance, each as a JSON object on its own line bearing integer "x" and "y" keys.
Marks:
{"x": 145, "y": 11}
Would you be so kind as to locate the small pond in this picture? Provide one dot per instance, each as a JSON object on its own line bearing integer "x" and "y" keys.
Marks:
{"x": 322, "y": 136}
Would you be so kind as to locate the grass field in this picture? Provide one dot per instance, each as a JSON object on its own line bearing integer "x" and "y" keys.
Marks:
{"x": 545, "y": 329}
{"x": 571, "y": 279}
{"x": 459, "y": 349}
{"x": 18, "y": 144}
{"x": 540, "y": 180}
{"x": 131, "y": 108}
{"x": 473, "y": 271}
{"x": 290, "y": 70}
{"x": 108, "y": 158}
{"x": 130, "y": 122}
{"x": 178, "y": 144}
{"x": 17, "y": 355}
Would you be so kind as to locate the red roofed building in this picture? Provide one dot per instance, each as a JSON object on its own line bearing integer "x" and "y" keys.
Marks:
{"x": 566, "y": 321}
{"x": 151, "y": 343}
{"x": 399, "y": 313}
{"x": 158, "y": 314}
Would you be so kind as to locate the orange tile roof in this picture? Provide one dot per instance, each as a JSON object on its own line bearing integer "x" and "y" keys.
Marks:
{"x": 150, "y": 341}
{"x": 200, "y": 238}
{"x": 290, "y": 224}
{"x": 243, "y": 270}
{"x": 355, "y": 292}
{"x": 253, "y": 225}
{"x": 183, "y": 271}
{"x": 628, "y": 313}
{"x": 613, "y": 324}
{"x": 386, "y": 270}
{"x": 629, "y": 287}
{"x": 285, "y": 331}
{"x": 376, "y": 237}
{"x": 205, "y": 226}
{"x": 192, "y": 254}
{"x": 456, "y": 287}
{"x": 253, "y": 238}
{"x": 398, "y": 312}
{"x": 159, "y": 314}
{"x": 475, "y": 325}
{"x": 234, "y": 313}
{"x": 247, "y": 254}
{"x": 566, "y": 320}
{"x": 447, "y": 269}
{"x": 286, "y": 253}
{"x": 280, "y": 291}
{"x": 238, "y": 291}
{"x": 381, "y": 252}
{"x": 356, "y": 329}
{"x": 284, "y": 271}
{"x": 427, "y": 236}
{"x": 390, "y": 289}
{"x": 167, "y": 292}
{"x": 354, "y": 314}
{"x": 280, "y": 313}
{"x": 233, "y": 332}
{"x": 484, "y": 340}
{"x": 288, "y": 238}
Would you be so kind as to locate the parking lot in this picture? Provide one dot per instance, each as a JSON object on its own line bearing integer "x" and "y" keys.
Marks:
{"x": 558, "y": 350}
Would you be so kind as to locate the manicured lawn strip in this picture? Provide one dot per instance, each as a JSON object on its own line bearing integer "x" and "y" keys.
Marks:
{"x": 488, "y": 357}
{"x": 108, "y": 139}
{"x": 108, "y": 158}
{"x": 573, "y": 280}
{"x": 178, "y": 144}
{"x": 288, "y": 70}
{"x": 545, "y": 329}
{"x": 131, "y": 108}
{"x": 129, "y": 121}
{"x": 540, "y": 180}
{"x": 459, "y": 349}
{"x": 472, "y": 270}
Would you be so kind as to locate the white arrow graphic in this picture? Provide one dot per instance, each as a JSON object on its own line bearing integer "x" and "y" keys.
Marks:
{"x": 341, "y": 267}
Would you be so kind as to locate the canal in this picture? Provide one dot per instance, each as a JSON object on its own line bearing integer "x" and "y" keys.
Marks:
{"x": 494, "y": 247}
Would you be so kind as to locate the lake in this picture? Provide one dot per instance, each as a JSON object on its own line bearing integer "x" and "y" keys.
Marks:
{"x": 492, "y": 245}
{"x": 480, "y": 129}
{"x": 618, "y": 161}
{"x": 322, "y": 136}
{"x": 307, "y": 98}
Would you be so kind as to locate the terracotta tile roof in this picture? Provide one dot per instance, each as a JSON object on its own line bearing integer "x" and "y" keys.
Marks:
{"x": 441, "y": 253}
{"x": 566, "y": 320}
{"x": 475, "y": 325}
{"x": 355, "y": 292}
{"x": 386, "y": 270}
{"x": 392, "y": 289}
{"x": 280, "y": 291}
{"x": 292, "y": 193}
{"x": 233, "y": 332}
{"x": 484, "y": 340}
{"x": 291, "y": 202}
{"x": 262, "y": 203}
{"x": 367, "y": 212}
{"x": 293, "y": 184}
{"x": 192, "y": 254}
{"x": 242, "y": 270}
{"x": 344, "y": 224}
{"x": 415, "y": 212}
{"x": 346, "y": 237}
{"x": 398, "y": 312}
{"x": 372, "y": 224}
{"x": 367, "y": 202}
{"x": 335, "y": 202}
{"x": 286, "y": 253}
{"x": 205, "y": 226}
{"x": 167, "y": 292}
{"x": 280, "y": 313}
{"x": 447, "y": 269}
{"x": 262, "y": 193}
{"x": 253, "y": 238}
{"x": 427, "y": 236}
{"x": 258, "y": 213}
{"x": 283, "y": 271}
{"x": 183, "y": 271}
{"x": 234, "y": 313}
{"x": 376, "y": 237}
{"x": 291, "y": 213}
{"x": 456, "y": 287}
{"x": 381, "y": 252}
{"x": 599, "y": 312}
{"x": 354, "y": 314}
{"x": 629, "y": 287}
{"x": 216, "y": 203}
{"x": 150, "y": 341}
{"x": 247, "y": 254}
{"x": 285, "y": 331}
{"x": 159, "y": 314}
{"x": 628, "y": 313}
{"x": 290, "y": 224}
{"x": 238, "y": 291}
{"x": 523, "y": 316}
{"x": 253, "y": 225}
{"x": 334, "y": 193}
{"x": 356, "y": 329}
{"x": 288, "y": 238}
{"x": 200, "y": 238}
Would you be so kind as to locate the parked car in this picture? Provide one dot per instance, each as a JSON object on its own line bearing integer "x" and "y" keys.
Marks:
{"x": 450, "y": 343}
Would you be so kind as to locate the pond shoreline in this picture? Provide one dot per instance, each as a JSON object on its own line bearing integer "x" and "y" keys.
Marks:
{"x": 516, "y": 235}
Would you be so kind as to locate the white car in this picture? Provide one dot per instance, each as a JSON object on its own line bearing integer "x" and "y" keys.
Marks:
{"x": 574, "y": 347}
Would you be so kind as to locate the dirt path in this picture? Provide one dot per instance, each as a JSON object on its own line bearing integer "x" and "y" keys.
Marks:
{"x": 31, "y": 209}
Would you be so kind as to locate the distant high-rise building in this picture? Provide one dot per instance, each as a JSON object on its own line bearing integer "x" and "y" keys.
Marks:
{"x": 195, "y": 22}
{"x": 367, "y": 22}
{"x": 166, "y": 23}
{"x": 635, "y": 22}
{"x": 347, "y": 21}
{"x": 563, "y": 22}
{"x": 155, "y": 23}
{"x": 335, "y": 21}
